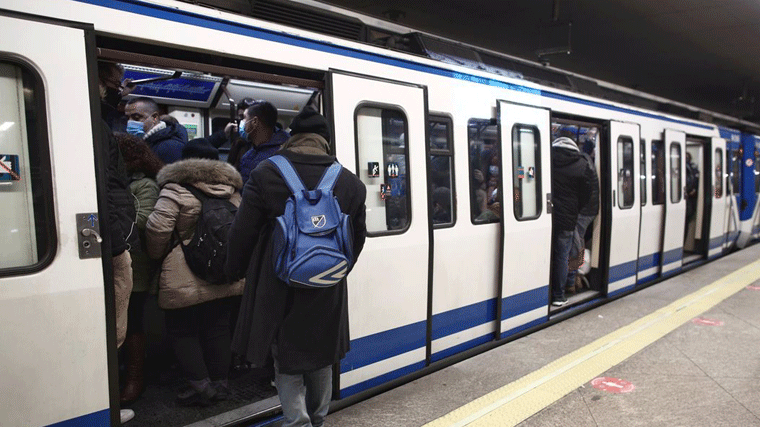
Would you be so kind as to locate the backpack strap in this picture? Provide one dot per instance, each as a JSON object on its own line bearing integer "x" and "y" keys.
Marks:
{"x": 200, "y": 195}
{"x": 330, "y": 177}
{"x": 288, "y": 173}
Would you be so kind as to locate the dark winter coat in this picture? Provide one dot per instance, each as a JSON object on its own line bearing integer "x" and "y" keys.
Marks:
{"x": 592, "y": 207}
{"x": 121, "y": 209}
{"x": 167, "y": 141}
{"x": 256, "y": 155}
{"x": 571, "y": 188}
{"x": 309, "y": 326}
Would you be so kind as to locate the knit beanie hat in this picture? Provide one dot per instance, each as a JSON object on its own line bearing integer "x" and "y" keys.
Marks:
{"x": 199, "y": 148}
{"x": 310, "y": 121}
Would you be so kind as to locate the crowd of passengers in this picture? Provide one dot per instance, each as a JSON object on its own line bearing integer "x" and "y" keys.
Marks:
{"x": 151, "y": 167}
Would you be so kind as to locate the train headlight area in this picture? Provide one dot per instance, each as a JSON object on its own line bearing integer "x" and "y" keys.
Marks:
{"x": 684, "y": 352}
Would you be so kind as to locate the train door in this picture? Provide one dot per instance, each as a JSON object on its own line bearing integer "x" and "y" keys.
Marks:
{"x": 380, "y": 134}
{"x": 624, "y": 221}
{"x": 675, "y": 203}
{"x": 694, "y": 243}
{"x": 52, "y": 293}
{"x": 527, "y": 225}
{"x": 718, "y": 199}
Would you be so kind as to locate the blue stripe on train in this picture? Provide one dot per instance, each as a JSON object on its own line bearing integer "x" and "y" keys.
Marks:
{"x": 95, "y": 419}
{"x": 198, "y": 20}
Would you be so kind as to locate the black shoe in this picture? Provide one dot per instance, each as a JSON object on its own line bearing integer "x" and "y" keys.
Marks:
{"x": 222, "y": 388}
{"x": 559, "y": 302}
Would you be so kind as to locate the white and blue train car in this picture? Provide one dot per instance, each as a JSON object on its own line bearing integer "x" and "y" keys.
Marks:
{"x": 457, "y": 257}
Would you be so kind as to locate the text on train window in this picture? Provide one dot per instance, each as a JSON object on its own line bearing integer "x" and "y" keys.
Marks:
{"x": 625, "y": 172}
{"x": 441, "y": 152}
{"x": 526, "y": 172}
{"x": 643, "y": 172}
{"x": 718, "y": 173}
{"x": 675, "y": 173}
{"x": 485, "y": 181}
{"x": 26, "y": 224}
{"x": 382, "y": 153}
{"x": 658, "y": 173}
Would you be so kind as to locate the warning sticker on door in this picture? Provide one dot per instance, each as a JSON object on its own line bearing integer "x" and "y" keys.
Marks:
{"x": 9, "y": 168}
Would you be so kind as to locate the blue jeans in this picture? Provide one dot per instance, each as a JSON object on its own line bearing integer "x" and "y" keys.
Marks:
{"x": 579, "y": 244}
{"x": 563, "y": 242}
{"x": 305, "y": 398}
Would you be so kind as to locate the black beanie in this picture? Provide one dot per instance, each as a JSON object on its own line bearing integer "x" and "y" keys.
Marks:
{"x": 199, "y": 148}
{"x": 310, "y": 121}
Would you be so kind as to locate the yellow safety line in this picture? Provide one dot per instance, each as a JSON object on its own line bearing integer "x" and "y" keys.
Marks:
{"x": 515, "y": 402}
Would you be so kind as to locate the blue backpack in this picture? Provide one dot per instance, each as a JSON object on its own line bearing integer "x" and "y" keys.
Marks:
{"x": 313, "y": 240}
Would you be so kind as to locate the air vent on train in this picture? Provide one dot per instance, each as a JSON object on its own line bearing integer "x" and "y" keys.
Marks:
{"x": 319, "y": 21}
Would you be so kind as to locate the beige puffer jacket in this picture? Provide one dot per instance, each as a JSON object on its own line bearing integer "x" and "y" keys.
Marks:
{"x": 177, "y": 208}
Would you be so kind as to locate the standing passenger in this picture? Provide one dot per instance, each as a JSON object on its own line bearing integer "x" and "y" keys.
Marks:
{"x": 586, "y": 213}
{"x": 260, "y": 129}
{"x": 166, "y": 139}
{"x": 305, "y": 330}
{"x": 571, "y": 190}
{"x": 197, "y": 313}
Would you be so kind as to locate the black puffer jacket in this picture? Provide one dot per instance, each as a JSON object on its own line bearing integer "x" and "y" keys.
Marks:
{"x": 310, "y": 326}
{"x": 121, "y": 208}
{"x": 571, "y": 188}
{"x": 592, "y": 207}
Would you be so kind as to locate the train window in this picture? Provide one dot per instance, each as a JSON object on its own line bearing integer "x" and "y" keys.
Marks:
{"x": 718, "y": 173}
{"x": 26, "y": 219}
{"x": 526, "y": 172}
{"x": 625, "y": 172}
{"x": 658, "y": 173}
{"x": 675, "y": 173}
{"x": 735, "y": 170}
{"x": 485, "y": 182}
{"x": 382, "y": 153}
{"x": 441, "y": 152}
{"x": 643, "y": 172}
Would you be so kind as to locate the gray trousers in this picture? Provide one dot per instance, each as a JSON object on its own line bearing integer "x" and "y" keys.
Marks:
{"x": 305, "y": 398}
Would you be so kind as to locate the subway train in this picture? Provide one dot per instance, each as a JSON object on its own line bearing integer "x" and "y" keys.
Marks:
{"x": 452, "y": 142}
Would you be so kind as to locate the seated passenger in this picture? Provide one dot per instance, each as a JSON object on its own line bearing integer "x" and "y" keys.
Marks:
{"x": 259, "y": 129}
{"x": 165, "y": 139}
{"x": 197, "y": 313}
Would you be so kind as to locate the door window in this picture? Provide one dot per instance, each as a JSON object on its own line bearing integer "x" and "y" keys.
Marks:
{"x": 625, "y": 172}
{"x": 643, "y": 172}
{"x": 441, "y": 172}
{"x": 526, "y": 172}
{"x": 485, "y": 181}
{"x": 658, "y": 173}
{"x": 718, "y": 173}
{"x": 26, "y": 218}
{"x": 382, "y": 152}
{"x": 675, "y": 173}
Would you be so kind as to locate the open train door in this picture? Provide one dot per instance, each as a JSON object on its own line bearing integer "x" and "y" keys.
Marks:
{"x": 53, "y": 300}
{"x": 527, "y": 225}
{"x": 675, "y": 202}
{"x": 380, "y": 134}
{"x": 719, "y": 199}
{"x": 624, "y": 146}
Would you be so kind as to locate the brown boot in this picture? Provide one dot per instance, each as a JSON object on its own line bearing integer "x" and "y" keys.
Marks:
{"x": 135, "y": 353}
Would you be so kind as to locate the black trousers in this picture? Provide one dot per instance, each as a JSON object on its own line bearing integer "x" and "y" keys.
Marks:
{"x": 200, "y": 337}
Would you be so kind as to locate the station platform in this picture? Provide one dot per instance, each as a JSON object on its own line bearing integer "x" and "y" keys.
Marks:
{"x": 683, "y": 352}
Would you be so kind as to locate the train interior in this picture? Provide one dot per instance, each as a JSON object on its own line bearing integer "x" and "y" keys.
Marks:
{"x": 203, "y": 97}
{"x": 696, "y": 231}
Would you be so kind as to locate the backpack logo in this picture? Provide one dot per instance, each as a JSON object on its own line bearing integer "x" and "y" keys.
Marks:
{"x": 318, "y": 221}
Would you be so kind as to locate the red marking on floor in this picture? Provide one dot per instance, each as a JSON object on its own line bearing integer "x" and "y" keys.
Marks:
{"x": 612, "y": 385}
{"x": 754, "y": 288}
{"x": 707, "y": 322}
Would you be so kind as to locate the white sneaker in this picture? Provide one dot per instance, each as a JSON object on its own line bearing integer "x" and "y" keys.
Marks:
{"x": 559, "y": 302}
{"x": 126, "y": 415}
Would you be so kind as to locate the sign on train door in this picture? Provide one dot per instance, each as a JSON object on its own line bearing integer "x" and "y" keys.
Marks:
{"x": 624, "y": 146}
{"x": 527, "y": 224}
{"x": 719, "y": 199}
{"x": 675, "y": 202}
{"x": 52, "y": 295}
{"x": 380, "y": 134}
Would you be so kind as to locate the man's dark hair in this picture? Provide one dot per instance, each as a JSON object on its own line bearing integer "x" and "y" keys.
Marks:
{"x": 149, "y": 103}
{"x": 265, "y": 111}
{"x": 109, "y": 69}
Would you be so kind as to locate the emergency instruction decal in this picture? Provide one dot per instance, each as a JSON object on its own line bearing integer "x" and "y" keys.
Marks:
{"x": 9, "y": 168}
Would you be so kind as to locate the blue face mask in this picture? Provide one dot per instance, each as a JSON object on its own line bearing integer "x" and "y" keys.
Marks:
{"x": 494, "y": 170}
{"x": 136, "y": 128}
{"x": 241, "y": 131}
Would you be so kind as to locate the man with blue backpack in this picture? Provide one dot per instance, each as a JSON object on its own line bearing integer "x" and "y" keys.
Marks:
{"x": 298, "y": 232}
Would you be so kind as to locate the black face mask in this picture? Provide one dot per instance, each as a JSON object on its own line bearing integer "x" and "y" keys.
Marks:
{"x": 113, "y": 97}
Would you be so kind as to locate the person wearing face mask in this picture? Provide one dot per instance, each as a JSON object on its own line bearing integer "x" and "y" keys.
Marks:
{"x": 166, "y": 139}
{"x": 231, "y": 130}
{"x": 113, "y": 87}
{"x": 260, "y": 129}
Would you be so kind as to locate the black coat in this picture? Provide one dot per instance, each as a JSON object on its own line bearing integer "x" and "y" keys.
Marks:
{"x": 571, "y": 188}
{"x": 592, "y": 207}
{"x": 309, "y": 326}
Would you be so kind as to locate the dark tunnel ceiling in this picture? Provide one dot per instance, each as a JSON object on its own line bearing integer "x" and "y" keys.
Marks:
{"x": 704, "y": 53}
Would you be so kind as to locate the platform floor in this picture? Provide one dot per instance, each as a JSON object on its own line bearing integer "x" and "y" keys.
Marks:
{"x": 683, "y": 373}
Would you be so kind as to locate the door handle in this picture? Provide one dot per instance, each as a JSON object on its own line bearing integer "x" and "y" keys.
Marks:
{"x": 549, "y": 205}
{"x": 88, "y": 237}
